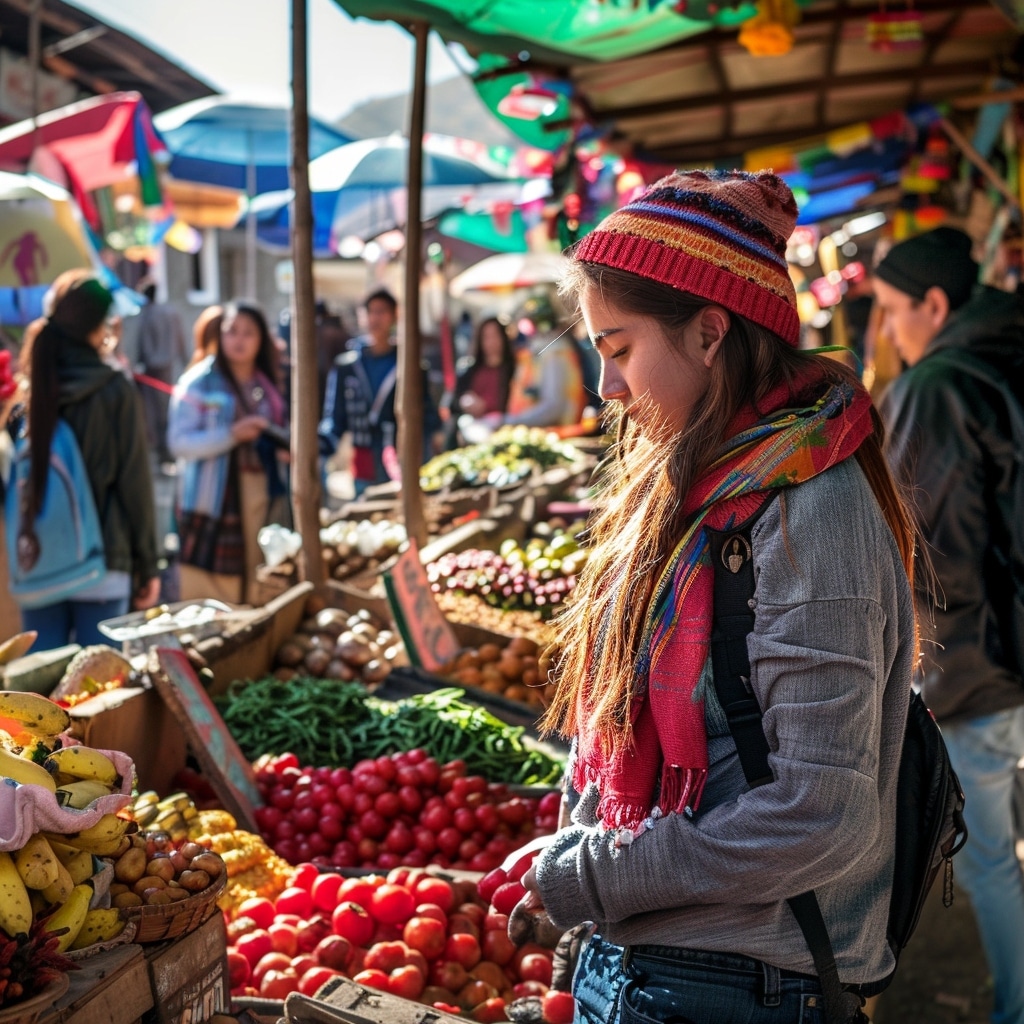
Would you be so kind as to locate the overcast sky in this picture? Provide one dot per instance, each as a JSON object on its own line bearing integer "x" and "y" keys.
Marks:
{"x": 244, "y": 47}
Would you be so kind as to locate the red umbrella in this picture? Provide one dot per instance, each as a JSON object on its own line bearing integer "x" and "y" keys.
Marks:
{"x": 96, "y": 142}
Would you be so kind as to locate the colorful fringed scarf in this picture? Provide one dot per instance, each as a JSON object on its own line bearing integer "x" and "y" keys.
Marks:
{"x": 789, "y": 446}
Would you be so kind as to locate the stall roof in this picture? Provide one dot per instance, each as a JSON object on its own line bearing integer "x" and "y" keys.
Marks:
{"x": 704, "y": 97}
{"x": 97, "y": 57}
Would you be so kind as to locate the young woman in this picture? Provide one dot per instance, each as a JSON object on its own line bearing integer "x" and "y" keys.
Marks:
{"x": 69, "y": 379}
{"x": 223, "y": 414}
{"x": 682, "y": 868}
{"x": 483, "y": 386}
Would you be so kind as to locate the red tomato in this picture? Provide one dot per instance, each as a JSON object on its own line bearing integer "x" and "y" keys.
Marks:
{"x": 255, "y": 945}
{"x": 448, "y": 974}
{"x": 314, "y": 978}
{"x": 239, "y": 968}
{"x": 295, "y": 900}
{"x": 463, "y": 948}
{"x": 432, "y": 910}
{"x": 392, "y": 904}
{"x": 406, "y": 982}
{"x": 279, "y": 984}
{"x": 284, "y": 938}
{"x": 351, "y": 921}
{"x": 334, "y": 952}
{"x": 535, "y": 967}
{"x": 270, "y": 962}
{"x": 310, "y": 932}
{"x": 259, "y": 909}
{"x": 426, "y": 934}
{"x": 358, "y": 890}
{"x": 489, "y": 1011}
{"x": 385, "y": 956}
{"x": 372, "y": 979}
{"x": 497, "y": 946}
{"x": 558, "y": 1007}
{"x": 507, "y": 896}
{"x": 325, "y": 891}
{"x": 304, "y": 876}
{"x": 430, "y": 889}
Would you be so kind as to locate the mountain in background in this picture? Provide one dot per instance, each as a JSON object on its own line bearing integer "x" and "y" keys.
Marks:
{"x": 453, "y": 108}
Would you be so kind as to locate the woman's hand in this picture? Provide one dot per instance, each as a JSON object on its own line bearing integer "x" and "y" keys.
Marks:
{"x": 473, "y": 404}
{"x": 529, "y": 921}
{"x": 248, "y": 428}
{"x": 147, "y": 595}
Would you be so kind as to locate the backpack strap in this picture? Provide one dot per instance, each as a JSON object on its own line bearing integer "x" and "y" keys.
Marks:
{"x": 733, "y": 564}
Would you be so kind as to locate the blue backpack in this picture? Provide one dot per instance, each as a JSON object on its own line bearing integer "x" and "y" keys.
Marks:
{"x": 61, "y": 552}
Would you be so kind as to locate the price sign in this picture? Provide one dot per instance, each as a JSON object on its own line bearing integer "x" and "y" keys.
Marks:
{"x": 426, "y": 632}
{"x": 219, "y": 756}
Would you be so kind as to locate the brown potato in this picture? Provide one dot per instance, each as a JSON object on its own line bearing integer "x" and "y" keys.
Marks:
{"x": 126, "y": 899}
{"x": 194, "y": 881}
{"x": 148, "y": 882}
{"x": 489, "y": 652}
{"x": 289, "y": 654}
{"x": 208, "y": 862}
{"x": 131, "y": 865}
{"x": 160, "y": 866}
{"x": 157, "y": 897}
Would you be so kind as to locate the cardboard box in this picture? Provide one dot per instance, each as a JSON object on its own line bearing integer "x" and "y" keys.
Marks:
{"x": 138, "y": 722}
{"x": 109, "y": 988}
{"x": 189, "y": 976}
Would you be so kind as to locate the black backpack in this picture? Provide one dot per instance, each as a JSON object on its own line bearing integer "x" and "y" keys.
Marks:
{"x": 930, "y": 826}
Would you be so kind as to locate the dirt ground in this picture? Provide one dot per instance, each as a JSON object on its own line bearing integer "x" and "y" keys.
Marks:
{"x": 942, "y": 976}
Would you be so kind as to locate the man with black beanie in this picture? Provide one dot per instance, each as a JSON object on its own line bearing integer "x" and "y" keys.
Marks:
{"x": 950, "y": 443}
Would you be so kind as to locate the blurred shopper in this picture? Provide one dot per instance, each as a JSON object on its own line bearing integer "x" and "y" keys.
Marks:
{"x": 331, "y": 341}
{"x": 360, "y": 398}
{"x": 482, "y": 388}
{"x": 69, "y": 380}
{"x": 162, "y": 355}
{"x": 227, "y": 423}
{"x": 206, "y": 334}
{"x": 547, "y": 387}
{"x": 950, "y": 444}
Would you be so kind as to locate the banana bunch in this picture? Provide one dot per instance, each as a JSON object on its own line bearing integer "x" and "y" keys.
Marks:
{"x": 172, "y": 814}
{"x": 52, "y": 881}
{"x": 81, "y": 775}
{"x": 109, "y": 837}
{"x": 29, "y": 727}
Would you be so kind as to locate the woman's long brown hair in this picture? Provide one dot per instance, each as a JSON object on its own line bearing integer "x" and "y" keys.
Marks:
{"x": 79, "y": 304}
{"x": 637, "y": 520}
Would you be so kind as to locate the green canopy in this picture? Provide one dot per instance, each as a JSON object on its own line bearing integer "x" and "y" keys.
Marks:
{"x": 558, "y": 31}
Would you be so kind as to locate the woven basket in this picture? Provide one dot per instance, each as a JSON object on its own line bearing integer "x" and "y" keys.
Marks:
{"x": 28, "y": 1011}
{"x": 170, "y": 920}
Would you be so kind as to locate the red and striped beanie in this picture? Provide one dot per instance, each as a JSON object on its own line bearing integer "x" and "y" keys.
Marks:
{"x": 719, "y": 235}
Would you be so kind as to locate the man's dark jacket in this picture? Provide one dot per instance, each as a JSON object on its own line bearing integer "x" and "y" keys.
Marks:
{"x": 949, "y": 442}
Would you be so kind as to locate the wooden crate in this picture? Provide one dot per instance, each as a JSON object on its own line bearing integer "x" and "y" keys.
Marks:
{"x": 109, "y": 988}
{"x": 189, "y": 976}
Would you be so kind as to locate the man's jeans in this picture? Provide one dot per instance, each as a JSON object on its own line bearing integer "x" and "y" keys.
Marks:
{"x": 984, "y": 752}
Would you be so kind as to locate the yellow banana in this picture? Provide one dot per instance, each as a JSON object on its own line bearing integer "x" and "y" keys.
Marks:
{"x": 103, "y": 838}
{"x": 25, "y": 772}
{"x": 70, "y": 916}
{"x": 61, "y": 887}
{"x": 83, "y": 763}
{"x": 37, "y": 714}
{"x": 82, "y": 793}
{"x": 78, "y": 862}
{"x": 38, "y": 900}
{"x": 176, "y": 802}
{"x": 15, "y": 904}
{"x": 37, "y": 863}
{"x": 101, "y": 924}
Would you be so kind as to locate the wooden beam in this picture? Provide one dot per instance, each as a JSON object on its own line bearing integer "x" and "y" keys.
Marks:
{"x": 931, "y": 48}
{"x": 808, "y": 86}
{"x": 830, "y": 62}
{"x": 66, "y": 69}
{"x": 715, "y": 60}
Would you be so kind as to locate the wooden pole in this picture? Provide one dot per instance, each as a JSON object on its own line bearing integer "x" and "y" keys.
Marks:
{"x": 305, "y": 405}
{"x": 409, "y": 407}
{"x": 987, "y": 170}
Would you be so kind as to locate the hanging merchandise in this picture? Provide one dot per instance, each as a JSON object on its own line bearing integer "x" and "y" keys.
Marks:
{"x": 894, "y": 30}
{"x": 770, "y": 32}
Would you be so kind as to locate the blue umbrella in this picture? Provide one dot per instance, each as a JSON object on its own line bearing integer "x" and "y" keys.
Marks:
{"x": 221, "y": 141}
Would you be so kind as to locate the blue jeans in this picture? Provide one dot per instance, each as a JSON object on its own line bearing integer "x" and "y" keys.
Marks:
{"x": 984, "y": 752}
{"x": 663, "y": 985}
{"x": 71, "y": 622}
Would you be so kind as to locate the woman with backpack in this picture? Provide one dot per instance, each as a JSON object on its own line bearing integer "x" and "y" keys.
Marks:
{"x": 69, "y": 382}
{"x": 226, "y": 423}
{"x": 729, "y": 440}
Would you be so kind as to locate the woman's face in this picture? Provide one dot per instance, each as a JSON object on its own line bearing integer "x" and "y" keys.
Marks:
{"x": 240, "y": 340}
{"x": 492, "y": 344}
{"x": 657, "y": 382}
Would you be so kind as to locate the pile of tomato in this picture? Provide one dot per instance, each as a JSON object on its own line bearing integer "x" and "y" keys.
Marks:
{"x": 409, "y": 933}
{"x": 402, "y": 810}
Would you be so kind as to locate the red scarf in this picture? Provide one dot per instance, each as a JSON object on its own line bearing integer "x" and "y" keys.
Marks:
{"x": 811, "y": 428}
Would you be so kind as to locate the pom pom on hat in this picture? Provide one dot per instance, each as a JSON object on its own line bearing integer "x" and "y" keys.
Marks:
{"x": 936, "y": 259}
{"x": 719, "y": 235}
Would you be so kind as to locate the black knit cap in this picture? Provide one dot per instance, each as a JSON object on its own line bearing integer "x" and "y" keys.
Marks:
{"x": 936, "y": 259}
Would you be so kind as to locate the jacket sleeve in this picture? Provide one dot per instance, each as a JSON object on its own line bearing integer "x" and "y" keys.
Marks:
{"x": 134, "y": 485}
{"x": 935, "y": 426}
{"x": 196, "y": 428}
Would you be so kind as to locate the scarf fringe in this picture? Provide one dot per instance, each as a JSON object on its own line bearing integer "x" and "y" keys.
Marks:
{"x": 681, "y": 788}
{"x": 614, "y": 813}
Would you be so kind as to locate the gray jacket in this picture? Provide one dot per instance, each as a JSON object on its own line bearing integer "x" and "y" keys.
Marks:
{"x": 831, "y": 651}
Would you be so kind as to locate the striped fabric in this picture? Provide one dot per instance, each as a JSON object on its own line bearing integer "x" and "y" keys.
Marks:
{"x": 719, "y": 235}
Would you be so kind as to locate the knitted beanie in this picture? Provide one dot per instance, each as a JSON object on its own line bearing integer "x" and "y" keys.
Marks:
{"x": 719, "y": 235}
{"x": 937, "y": 259}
